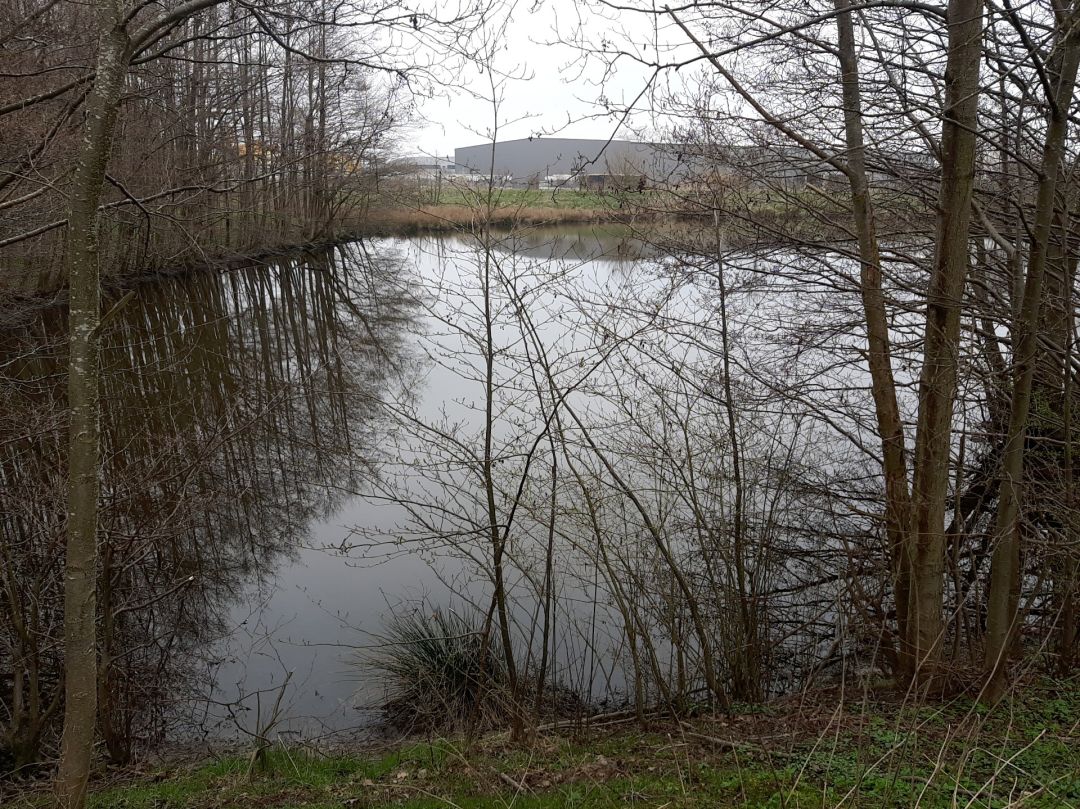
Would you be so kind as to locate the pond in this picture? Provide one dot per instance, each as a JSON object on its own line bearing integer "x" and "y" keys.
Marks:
{"x": 529, "y": 431}
{"x": 255, "y": 508}
{"x": 362, "y": 561}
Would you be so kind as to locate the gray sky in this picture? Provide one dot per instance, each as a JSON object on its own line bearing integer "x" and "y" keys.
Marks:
{"x": 549, "y": 92}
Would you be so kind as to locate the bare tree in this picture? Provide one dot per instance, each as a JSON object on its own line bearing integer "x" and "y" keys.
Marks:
{"x": 81, "y": 557}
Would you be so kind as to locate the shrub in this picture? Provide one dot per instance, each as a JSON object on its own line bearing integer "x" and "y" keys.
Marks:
{"x": 438, "y": 673}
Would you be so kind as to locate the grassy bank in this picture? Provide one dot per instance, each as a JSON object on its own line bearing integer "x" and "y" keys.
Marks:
{"x": 751, "y": 215}
{"x": 441, "y": 218}
{"x": 562, "y": 199}
{"x": 399, "y": 214}
{"x": 816, "y": 751}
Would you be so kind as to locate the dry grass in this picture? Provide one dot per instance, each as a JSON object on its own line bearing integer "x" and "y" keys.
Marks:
{"x": 426, "y": 218}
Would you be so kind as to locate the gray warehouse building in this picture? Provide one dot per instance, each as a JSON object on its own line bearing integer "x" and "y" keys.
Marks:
{"x": 570, "y": 161}
{"x": 603, "y": 164}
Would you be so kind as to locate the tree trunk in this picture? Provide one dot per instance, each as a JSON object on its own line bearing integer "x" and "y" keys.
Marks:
{"x": 937, "y": 381}
{"x": 1005, "y": 564}
{"x": 1067, "y": 580}
{"x": 879, "y": 351}
{"x": 745, "y": 658}
{"x": 80, "y": 646}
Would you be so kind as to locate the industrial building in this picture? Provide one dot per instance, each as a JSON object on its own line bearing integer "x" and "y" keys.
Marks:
{"x": 622, "y": 164}
{"x": 600, "y": 165}
{"x": 577, "y": 162}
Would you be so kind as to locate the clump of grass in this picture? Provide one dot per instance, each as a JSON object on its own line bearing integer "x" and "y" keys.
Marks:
{"x": 439, "y": 673}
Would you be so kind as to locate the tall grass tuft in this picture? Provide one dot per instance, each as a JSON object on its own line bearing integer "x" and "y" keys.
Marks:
{"x": 438, "y": 673}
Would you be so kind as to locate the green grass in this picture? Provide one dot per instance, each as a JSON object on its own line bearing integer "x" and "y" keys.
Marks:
{"x": 872, "y": 753}
{"x": 290, "y": 778}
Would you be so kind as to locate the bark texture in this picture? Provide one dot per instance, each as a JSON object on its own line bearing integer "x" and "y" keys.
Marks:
{"x": 1005, "y": 566}
{"x": 80, "y": 574}
{"x": 879, "y": 352}
{"x": 937, "y": 381}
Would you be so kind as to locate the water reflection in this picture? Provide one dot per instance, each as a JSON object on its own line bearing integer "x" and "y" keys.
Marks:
{"x": 288, "y": 451}
{"x": 238, "y": 407}
{"x": 607, "y": 242}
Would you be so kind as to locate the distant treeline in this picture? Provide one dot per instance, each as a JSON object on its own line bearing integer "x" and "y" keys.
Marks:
{"x": 238, "y": 129}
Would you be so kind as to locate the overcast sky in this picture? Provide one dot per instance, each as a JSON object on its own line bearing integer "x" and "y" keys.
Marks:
{"x": 553, "y": 95}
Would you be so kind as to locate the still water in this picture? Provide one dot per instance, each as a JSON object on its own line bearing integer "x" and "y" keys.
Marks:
{"x": 270, "y": 489}
{"x": 322, "y": 611}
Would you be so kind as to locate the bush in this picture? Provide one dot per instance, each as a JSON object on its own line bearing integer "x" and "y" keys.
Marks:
{"x": 438, "y": 673}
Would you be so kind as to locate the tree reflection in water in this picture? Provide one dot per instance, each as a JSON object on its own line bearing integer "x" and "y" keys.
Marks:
{"x": 238, "y": 406}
